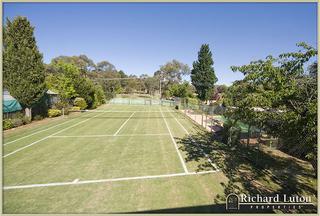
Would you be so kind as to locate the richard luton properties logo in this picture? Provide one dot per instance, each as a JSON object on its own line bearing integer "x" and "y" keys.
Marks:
{"x": 259, "y": 202}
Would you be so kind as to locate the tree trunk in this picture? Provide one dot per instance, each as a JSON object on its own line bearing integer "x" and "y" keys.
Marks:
{"x": 28, "y": 113}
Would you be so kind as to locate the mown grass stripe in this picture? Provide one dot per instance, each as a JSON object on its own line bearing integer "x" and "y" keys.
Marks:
{"x": 77, "y": 182}
{"x": 27, "y": 146}
{"x": 175, "y": 144}
{"x": 202, "y": 151}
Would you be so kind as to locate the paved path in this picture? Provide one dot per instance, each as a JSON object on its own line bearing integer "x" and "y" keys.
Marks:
{"x": 204, "y": 121}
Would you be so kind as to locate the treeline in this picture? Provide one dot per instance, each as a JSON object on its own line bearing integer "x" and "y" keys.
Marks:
{"x": 113, "y": 81}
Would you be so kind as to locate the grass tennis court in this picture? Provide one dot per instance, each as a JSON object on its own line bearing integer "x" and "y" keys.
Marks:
{"x": 118, "y": 158}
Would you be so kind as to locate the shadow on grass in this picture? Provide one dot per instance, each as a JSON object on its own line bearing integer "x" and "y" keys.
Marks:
{"x": 251, "y": 171}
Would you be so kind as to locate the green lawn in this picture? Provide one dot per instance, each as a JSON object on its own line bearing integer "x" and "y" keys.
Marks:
{"x": 137, "y": 158}
{"x": 118, "y": 142}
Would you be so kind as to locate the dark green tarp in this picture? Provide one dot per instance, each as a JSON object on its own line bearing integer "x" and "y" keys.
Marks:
{"x": 10, "y": 104}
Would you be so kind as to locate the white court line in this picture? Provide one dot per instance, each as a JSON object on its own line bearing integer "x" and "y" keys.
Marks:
{"x": 109, "y": 135}
{"x": 105, "y": 180}
{"x": 20, "y": 149}
{"x": 124, "y": 111}
{"x": 207, "y": 156}
{"x": 175, "y": 145}
{"x": 37, "y": 132}
{"x": 115, "y": 134}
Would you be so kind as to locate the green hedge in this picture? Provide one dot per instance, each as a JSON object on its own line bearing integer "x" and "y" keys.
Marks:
{"x": 54, "y": 112}
{"x": 7, "y": 124}
{"x": 80, "y": 102}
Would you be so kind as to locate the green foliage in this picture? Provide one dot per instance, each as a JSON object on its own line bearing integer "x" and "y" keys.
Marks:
{"x": 37, "y": 117}
{"x": 288, "y": 96}
{"x": 180, "y": 90}
{"x": 23, "y": 69}
{"x": 193, "y": 101}
{"x": 202, "y": 75}
{"x": 105, "y": 66}
{"x": 82, "y": 62}
{"x": 41, "y": 107}
{"x": 151, "y": 85}
{"x": 171, "y": 73}
{"x": 68, "y": 82}
{"x": 75, "y": 108}
{"x": 17, "y": 122}
{"x": 231, "y": 133}
{"x": 110, "y": 87}
{"x": 80, "y": 102}
{"x": 54, "y": 113}
{"x": 7, "y": 124}
{"x": 26, "y": 120}
{"x": 62, "y": 81}
{"x": 99, "y": 96}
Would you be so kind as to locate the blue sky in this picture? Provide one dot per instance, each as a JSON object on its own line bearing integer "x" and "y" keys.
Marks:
{"x": 139, "y": 37}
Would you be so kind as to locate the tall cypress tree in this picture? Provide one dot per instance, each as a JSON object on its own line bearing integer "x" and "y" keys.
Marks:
{"x": 203, "y": 77}
{"x": 23, "y": 69}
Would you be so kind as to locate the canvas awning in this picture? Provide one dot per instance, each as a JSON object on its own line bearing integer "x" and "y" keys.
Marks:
{"x": 10, "y": 104}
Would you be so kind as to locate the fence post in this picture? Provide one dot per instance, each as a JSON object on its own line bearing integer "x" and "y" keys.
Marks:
{"x": 206, "y": 123}
{"x": 202, "y": 119}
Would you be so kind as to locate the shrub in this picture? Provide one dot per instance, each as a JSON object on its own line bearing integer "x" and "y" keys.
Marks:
{"x": 231, "y": 133}
{"x": 80, "y": 102}
{"x": 193, "y": 101}
{"x": 60, "y": 104}
{"x": 38, "y": 117}
{"x": 54, "y": 113}
{"x": 26, "y": 120}
{"x": 7, "y": 124}
{"x": 17, "y": 122}
{"x": 75, "y": 108}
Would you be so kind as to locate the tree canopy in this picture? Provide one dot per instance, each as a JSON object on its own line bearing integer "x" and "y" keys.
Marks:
{"x": 202, "y": 75}
{"x": 23, "y": 69}
{"x": 288, "y": 95}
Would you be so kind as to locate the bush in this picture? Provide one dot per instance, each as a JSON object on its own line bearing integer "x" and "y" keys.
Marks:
{"x": 38, "y": 117}
{"x": 231, "y": 133}
{"x": 80, "y": 102}
{"x": 17, "y": 122}
{"x": 54, "y": 113}
{"x": 41, "y": 107}
{"x": 75, "y": 108}
{"x": 26, "y": 120}
{"x": 60, "y": 104}
{"x": 7, "y": 124}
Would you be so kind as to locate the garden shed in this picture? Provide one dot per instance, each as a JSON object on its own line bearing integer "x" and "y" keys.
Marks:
{"x": 52, "y": 98}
